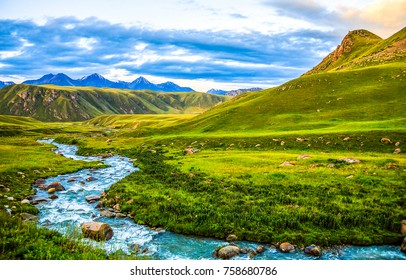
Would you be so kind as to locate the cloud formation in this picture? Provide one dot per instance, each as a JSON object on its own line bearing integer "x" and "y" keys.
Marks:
{"x": 81, "y": 47}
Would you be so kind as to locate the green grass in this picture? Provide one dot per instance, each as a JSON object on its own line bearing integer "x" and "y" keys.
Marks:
{"x": 235, "y": 183}
{"x": 55, "y": 103}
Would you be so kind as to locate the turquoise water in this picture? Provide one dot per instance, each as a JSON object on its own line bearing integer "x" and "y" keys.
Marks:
{"x": 70, "y": 210}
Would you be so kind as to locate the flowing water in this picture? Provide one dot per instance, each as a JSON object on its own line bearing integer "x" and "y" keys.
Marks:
{"x": 70, "y": 210}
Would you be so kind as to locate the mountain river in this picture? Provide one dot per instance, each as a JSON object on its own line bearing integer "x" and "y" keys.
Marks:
{"x": 70, "y": 210}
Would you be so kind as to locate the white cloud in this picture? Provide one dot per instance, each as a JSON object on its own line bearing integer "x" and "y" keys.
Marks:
{"x": 10, "y": 54}
{"x": 86, "y": 43}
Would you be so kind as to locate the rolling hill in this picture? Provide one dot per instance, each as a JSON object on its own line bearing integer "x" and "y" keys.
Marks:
{"x": 354, "y": 89}
{"x": 55, "y": 103}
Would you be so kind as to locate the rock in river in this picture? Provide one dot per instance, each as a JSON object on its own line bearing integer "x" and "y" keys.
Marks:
{"x": 228, "y": 252}
{"x": 97, "y": 231}
{"x": 91, "y": 178}
{"x": 37, "y": 200}
{"x": 403, "y": 246}
{"x": 286, "y": 247}
{"x": 107, "y": 214}
{"x": 56, "y": 185}
{"x": 39, "y": 182}
{"x": 313, "y": 250}
{"x": 92, "y": 198}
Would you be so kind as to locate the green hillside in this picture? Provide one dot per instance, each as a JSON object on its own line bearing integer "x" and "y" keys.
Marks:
{"x": 330, "y": 101}
{"x": 361, "y": 48}
{"x": 53, "y": 103}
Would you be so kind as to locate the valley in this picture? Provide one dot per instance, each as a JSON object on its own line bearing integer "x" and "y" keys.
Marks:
{"x": 317, "y": 160}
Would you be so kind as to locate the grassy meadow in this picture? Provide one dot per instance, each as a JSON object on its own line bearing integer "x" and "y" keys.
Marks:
{"x": 269, "y": 168}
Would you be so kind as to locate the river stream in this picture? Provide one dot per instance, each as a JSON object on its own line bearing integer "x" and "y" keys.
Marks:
{"x": 70, "y": 210}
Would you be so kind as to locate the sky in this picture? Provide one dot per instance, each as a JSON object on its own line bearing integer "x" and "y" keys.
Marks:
{"x": 223, "y": 44}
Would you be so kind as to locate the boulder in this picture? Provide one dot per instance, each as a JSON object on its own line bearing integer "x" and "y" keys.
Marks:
{"x": 260, "y": 249}
{"x": 92, "y": 198}
{"x": 397, "y": 151}
{"x": 285, "y": 163}
{"x": 39, "y": 182}
{"x": 51, "y": 190}
{"x": 386, "y": 140}
{"x": 25, "y": 201}
{"x": 28, "y": 217}
{"x": 54, "y": 196}
{"x": 91, "y": 178}
{"x": 71, "y": 180}
{"x": 231, "y": 238}
{"x": 38, "y": 200}
{"x": 97, "y": 231}
{"x": 403, "y": 246}
{"x": 403, "y": 227}
{"x": 56, "y": 185}
{"x": 313, "y": 250}
{"x": 107, "y": 214}
{"x": 227, "y": 252}
{"x": 304, "y": 156}
{"x": 350, "y": 160}
{"x": 286, "y": 247}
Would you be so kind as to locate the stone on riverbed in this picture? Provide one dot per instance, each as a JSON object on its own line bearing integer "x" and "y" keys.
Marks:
{"x": 38, "y": 200}
{"x": 403, "y": 246}
{"x": 227, "y": 252}
{"x": 286, "y": 247}
{"x": 39, "y": 182}
{"x": 313, "y": 250}
{"x": 107, "y": 214}
{"x": 92, "y": 198}
{"x": 91, "y": 178}
{"x": 56, "y": 185}
{"x": 51, "y": 190}
{"x": 97, "y": 231}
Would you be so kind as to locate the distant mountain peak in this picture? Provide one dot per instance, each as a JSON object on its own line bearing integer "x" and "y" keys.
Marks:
{"x": 93, "y": 76}
{"x": 217, "y": 91}
{"x": 4, "y": 84}
{"x": 97, "y": 80}
{"x": 352, "y": 47}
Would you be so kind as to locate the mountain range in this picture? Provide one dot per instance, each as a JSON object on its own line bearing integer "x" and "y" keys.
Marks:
{"x": 4, "y": 84}
{"x": 97, "y": 80}
{"x": 362, "y": 80}
{"x": 232, "y": 92}
{"x": 72, "y": 103}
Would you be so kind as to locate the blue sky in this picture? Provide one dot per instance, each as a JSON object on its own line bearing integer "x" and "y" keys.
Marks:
{"x": 202, "y": 44}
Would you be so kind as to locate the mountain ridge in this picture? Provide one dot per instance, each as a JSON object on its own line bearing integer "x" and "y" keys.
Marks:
{"x": 97, "y": 80}
{"x": 4, "y": 84}
{"x": 234, "y": 92}
{"x": 70, "y": 103}
{"x": 361, "y": 48}
{"x": 356, "y": 87}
